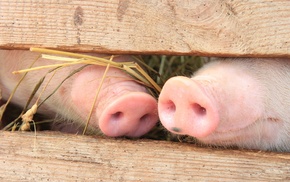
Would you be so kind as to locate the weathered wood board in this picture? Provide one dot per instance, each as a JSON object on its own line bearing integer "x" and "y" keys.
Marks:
{"x": 200, "y": 27}
{"x": 61, "y": 157}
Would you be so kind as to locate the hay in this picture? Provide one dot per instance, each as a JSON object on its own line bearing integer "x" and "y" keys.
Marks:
{"x": 150, "y": 71}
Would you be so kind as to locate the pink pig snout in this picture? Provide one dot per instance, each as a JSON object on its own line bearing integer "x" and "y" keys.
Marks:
{"x": 185, "y": 108}
{"x": 132, "y": 114}
{"x": 123, "y": 107}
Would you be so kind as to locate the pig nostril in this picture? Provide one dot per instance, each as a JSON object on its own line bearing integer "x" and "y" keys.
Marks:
{"x": 171, "y": 106}
{"x": 117, "y": 116}
{"x": 145, "y": 117}
{"x": 199, "y": 109}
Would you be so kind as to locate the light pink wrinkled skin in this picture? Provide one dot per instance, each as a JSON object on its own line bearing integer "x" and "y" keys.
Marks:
{"x": 124, "y": 108}
{"x": 242, "y": 102}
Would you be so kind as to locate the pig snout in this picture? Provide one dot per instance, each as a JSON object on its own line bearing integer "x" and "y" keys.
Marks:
{"x": 121, "y": 118}
{"x": 184, "y": 108}
{"x": 123, "y": 107}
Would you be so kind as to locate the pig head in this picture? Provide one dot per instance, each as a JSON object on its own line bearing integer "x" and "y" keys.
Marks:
{"x": 242, "y": 102}
{"x": 123, "y": 107}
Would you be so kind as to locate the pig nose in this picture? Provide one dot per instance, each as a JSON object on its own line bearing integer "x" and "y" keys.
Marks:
{"x": 185, "y": 108}
{"x": 132, "y": 114}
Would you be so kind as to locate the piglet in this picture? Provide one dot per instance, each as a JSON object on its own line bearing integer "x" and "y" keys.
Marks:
{"x": 242, "y": 102}
{"x": 123, "y": 107}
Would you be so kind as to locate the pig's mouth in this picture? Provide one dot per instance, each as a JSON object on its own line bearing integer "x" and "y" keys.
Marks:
{"x": 230, "y": 136}
{"x": 252, "y": 134}
{"x": 225, "y": 139}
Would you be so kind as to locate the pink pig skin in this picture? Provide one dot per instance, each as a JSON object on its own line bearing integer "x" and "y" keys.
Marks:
{"x": 232, "y": 102}
{"x": 124, "y": 108}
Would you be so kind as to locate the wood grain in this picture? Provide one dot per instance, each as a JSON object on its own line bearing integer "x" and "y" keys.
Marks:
{"x": 62, "y": 157}
{"x": 201, "y": 27}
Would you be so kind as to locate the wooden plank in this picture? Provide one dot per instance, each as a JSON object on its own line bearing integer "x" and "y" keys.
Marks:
{"x": 61, "y": 157}
{"x": 202, "y": 27}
